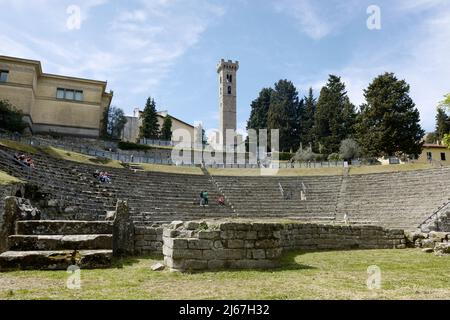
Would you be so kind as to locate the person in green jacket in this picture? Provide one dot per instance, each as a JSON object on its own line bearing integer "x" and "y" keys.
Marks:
{"x": 206, "y": 198}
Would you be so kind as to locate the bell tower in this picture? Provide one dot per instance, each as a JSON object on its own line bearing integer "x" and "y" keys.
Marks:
{"x": 227, "y": 71}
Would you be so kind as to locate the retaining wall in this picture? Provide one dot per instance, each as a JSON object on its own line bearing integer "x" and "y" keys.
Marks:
{"x": 195, "y": 246}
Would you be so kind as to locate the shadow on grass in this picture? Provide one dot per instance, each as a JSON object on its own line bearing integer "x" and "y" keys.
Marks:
{"x": 121, "y": 262}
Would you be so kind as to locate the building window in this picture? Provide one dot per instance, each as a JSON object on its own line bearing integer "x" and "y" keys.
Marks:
{"x": 229, "y": 89}
{"x": 60, "y": 93}
{"x": 79, "y": 95}
{"x": 4, "y": 75}
{"x": 68, "y": 94}
{"x": 229, "y": 78}
{"x": 443, "y": 156}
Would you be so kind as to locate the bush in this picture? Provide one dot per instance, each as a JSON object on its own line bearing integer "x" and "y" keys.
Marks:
{"x": 11, "y": 119}
{"x": 349, "y": 150}
{"x": 306, "y": 155}
{"x": 133, "y": 146}
{"x": 334, "y": 157}
{"x": 285, "y": 156}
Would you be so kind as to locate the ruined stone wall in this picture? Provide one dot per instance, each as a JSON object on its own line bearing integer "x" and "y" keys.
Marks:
{"x": 148, "y": 239}
{"x": 192, "y": 246}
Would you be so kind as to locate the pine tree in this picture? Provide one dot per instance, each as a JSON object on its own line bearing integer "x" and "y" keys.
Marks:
{"x": 389, "y": 122}
{"x": 150, "y": 125}
{"x": 335, "y": 116}
{"x": 284, "y": 114}
{"x": 166, "y": 130}
{"x": 442, "y": 124}
{"x": 307, "y": 121}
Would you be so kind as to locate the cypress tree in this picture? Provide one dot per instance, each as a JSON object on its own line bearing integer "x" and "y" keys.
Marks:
{"x": 150, "y": 125}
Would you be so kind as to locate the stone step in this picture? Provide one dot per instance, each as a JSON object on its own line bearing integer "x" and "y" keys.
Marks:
{"x": 55, "y": 260}
{"x": 60, "y": 242}
{"x": 55, "y": 227}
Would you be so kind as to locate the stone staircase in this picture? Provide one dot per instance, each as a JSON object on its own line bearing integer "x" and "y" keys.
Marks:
{"x": 56, "y": 245}
{"x": 261, "y": 197}
{"x": 154, "y": 197}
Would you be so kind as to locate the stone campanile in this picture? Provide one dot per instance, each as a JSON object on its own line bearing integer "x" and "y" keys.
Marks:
{"x": 227, "y": 71}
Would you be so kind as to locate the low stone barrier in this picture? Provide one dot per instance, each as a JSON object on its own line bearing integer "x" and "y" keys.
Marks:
{"x": 193, "y": 246}
{"x": 148, "y": 239}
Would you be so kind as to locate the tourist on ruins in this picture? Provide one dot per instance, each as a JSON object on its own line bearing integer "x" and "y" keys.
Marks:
{"x": 202, "y": 199}
{"x": 96, "y": 174}
{"x": 29, "y": 162}
{"x": 105, "y": 177}
{"x": 221, "y": 201}
{"x": 206, "y": 198}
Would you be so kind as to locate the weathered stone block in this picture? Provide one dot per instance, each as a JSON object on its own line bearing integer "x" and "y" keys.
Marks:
{"x": 274, "y": 253}
{"x": 176, "y": 243}
{"x": 438, "y": 236}
{"x": 169, "y": 233}
{"x": 218, "y": 244}
{"x": 200, "y": 244}
{"x": 230, "y": 254}
{"x": 235, "y": 244}
{"x": 249, "y": 244}
{"x": 209, "y": 235}
{"x": 216, "y": 264}
{"x": 208, "y": 254}
{"x": 258, "y": 254}
{"x": 229, "y": 234}
{"x": 267, "y": 243}
{"x": 442, "y": 248}
{"x": 191, "y": 225}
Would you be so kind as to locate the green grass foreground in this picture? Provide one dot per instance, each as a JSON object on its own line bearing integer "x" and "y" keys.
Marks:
{"x": 406, "y": 274}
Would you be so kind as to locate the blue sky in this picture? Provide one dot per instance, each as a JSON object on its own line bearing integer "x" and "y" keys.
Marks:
{"x": 168, "y": 49}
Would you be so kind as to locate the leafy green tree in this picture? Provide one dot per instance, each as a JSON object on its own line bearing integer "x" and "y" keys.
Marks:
{"x": 389, "y": 122}
{"x": 446, "y": 102}
{"x": 442, "y": 124}
{"x": 11, "y": 119}
{"x": 335, "y": 116}
{"x": 115, "y": 122}
{"x": 166, "y": 130}
{"x": 150, "y": 125}
{"x": 350, "y": 149}
{"x": 307, "y": 120}
{"x": 284, "y": 114}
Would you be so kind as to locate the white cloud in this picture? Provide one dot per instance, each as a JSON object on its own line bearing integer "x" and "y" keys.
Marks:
{"x": 314, "y": 18}
{"x": 134, "y": 49}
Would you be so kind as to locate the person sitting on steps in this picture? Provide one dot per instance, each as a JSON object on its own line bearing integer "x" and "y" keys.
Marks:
{"x": 221, "y": 201}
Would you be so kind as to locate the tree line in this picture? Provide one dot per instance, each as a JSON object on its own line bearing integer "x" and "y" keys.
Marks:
{"x": 114, "y": 122}
{"x": 386, "y": 124}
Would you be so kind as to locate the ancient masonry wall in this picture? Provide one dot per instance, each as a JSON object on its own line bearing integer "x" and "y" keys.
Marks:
{"x": 192, "y": 246}
{"x": 148, "y": 239}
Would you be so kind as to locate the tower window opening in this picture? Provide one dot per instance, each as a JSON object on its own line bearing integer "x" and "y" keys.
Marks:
{"x": 229, "y": 89}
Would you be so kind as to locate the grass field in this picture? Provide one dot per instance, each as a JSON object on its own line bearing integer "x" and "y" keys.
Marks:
{"x": 170, "y": 169}
{"x": 406, "y": 274}
{"x": 14, "y": 145}
{"x": 322, "y": 171}
{"x": 80, "y": 158}
{"x": 6, "y": 179}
